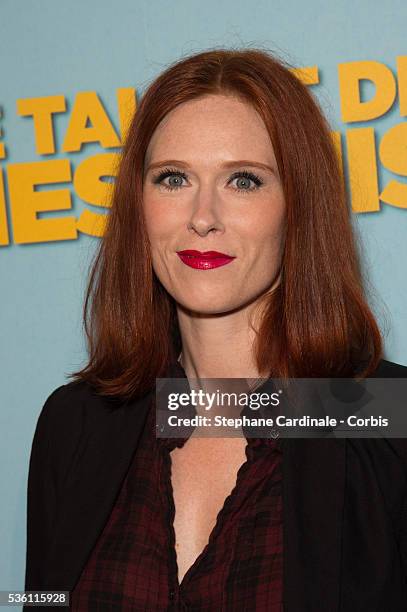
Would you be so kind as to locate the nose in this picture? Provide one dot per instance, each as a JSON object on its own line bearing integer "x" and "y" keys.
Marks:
{"x": 205, "y": 211}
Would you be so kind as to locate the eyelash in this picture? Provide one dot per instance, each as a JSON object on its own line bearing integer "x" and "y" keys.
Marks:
{"x": 172, "y": 172}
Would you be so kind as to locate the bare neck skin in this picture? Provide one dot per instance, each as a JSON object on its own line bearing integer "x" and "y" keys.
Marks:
{"x": 219, "y": 346}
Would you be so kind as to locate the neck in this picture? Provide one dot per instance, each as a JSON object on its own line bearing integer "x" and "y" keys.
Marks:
{"x": 219, "y": 346}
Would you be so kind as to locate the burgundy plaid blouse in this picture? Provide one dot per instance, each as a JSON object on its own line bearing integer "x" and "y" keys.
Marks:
{"x": 133, "y": 564}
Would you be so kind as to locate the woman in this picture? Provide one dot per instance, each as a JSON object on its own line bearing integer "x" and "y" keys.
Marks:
{"x": 228, "y": 253}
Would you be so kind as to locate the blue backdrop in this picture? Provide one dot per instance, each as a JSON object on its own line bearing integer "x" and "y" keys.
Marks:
{"x": 52, "y": 52}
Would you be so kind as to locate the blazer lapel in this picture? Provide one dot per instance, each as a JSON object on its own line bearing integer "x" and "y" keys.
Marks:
{"x": 313, "y": 500}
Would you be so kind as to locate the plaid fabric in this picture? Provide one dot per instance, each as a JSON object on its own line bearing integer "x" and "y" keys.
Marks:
{"x": 133, "y": 564}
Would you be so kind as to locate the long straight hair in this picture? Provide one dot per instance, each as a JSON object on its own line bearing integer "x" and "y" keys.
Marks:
{"x": 317, "y": 322}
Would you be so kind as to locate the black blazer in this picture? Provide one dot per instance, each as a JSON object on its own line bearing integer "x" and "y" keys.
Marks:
{"x": 344, "y": 503}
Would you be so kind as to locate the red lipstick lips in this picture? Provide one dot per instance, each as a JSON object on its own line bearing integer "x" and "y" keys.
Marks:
{"x": 204, "y": 261}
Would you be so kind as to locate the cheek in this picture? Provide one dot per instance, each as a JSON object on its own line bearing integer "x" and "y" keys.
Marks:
{"x": 265, "y": 229}
{"x": 160, "y": 219}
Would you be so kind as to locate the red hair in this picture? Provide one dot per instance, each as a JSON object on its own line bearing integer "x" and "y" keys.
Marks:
{"x": 317, "y": 323}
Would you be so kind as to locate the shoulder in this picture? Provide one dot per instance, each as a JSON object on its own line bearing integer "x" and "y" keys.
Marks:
{"x": 75, "y": 410}
{"x": 389, "y": 369}
{"x": 75, "y": 391}
{"x": 73, "y": 418}
{"x": 75, "y": 401}
{"x": 69, "y": 413}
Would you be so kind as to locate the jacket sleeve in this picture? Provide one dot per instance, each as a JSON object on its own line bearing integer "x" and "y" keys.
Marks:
{"x": 402, "y": 533}
{"x": 402, "y": 539}
{"x": 399, "y": 446}
{"x": 41, "y": 495}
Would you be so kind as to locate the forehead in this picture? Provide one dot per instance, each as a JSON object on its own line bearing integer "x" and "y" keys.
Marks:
{"x": 216, "y": 125}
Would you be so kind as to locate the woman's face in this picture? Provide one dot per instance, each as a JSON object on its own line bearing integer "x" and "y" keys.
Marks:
{"x": 211, "y": 184}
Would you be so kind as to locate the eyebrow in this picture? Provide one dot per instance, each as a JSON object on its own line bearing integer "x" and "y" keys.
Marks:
{"x": 229, "y": 164}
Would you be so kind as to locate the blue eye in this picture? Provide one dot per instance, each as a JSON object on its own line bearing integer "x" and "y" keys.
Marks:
{"x": 247, "y": 177}
{"x": 176, "y": 177}
{"x": 169, "y": 173}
